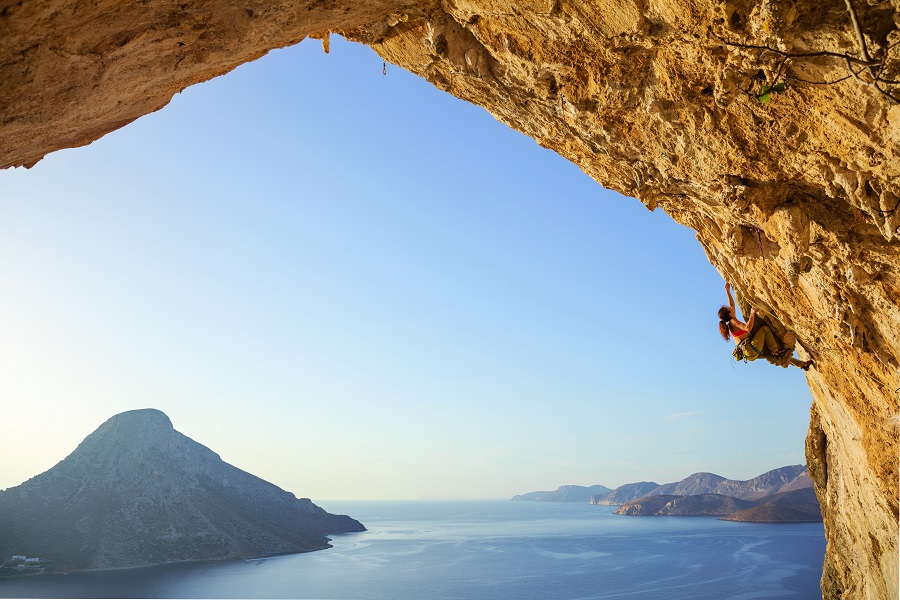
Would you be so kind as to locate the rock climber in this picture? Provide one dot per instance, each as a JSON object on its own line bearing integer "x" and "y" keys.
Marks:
{"x": 731, "y": 328}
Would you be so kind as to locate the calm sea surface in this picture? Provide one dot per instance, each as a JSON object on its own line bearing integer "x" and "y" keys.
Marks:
{"x": 493, "y": 550}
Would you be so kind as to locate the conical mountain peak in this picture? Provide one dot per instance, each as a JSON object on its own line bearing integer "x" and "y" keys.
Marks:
{"x": 137, "y": 492}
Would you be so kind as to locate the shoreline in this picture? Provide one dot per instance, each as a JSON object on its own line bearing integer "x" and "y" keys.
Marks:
{"x": 46, "y": 572}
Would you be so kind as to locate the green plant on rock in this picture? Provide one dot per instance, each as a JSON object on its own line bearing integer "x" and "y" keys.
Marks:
{"x": 870, "y": 70}
{"x": 766, "y": 91}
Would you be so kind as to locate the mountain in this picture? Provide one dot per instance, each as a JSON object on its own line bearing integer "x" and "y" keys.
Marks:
{"x": 698, "y": 483}
{"x": 785, "y": 479}
{"x": 565, "y": 493}
{"x": 695, "y": 505}
{"x": 625, "y": 493}
{"x": 771, "y": 482}
{"x": 136, "y": 492}
{"x": 778, "y": 496}
{"x": 799, "y": 505}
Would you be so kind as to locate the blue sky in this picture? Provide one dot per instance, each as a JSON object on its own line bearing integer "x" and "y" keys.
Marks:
{"x": 357, "y": 286}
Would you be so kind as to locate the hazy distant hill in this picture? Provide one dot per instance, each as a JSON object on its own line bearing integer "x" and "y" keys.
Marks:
{"x": 771, "y": 482}
{"x": 783, "y": 479}
{"x": 565, "y": 493}
{"x": 625, "y": 493}
{"x": 531, "y": 496}
{"x": 770, "y": 496}
{"x": 136, "y": 492}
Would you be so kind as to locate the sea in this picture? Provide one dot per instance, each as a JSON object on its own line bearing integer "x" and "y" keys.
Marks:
{"x": 491, "y": 550}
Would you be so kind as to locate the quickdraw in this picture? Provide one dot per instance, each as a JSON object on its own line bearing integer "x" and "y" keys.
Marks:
{"x": 759, "y": 240}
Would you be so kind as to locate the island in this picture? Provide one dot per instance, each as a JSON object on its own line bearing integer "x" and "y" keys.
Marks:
{"x": 136, "y": 492}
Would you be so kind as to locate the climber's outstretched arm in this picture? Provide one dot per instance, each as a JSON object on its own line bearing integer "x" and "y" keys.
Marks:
{"x": 730, "y": 300}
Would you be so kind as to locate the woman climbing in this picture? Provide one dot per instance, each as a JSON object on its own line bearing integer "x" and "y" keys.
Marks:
{"x": 731, "y": 328}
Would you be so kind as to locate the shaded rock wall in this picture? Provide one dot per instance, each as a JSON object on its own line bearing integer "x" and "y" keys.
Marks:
{"x": 653, "y": 98}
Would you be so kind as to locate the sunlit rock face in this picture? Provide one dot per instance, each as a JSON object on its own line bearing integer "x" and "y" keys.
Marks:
{"x": 795, "y": 200}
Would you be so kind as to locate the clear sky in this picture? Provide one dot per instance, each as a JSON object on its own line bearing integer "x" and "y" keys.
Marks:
{"x": 357, "y": 286}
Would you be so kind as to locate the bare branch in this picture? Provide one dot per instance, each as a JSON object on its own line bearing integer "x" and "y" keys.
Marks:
{"x": 874, "y": 67}
{"x": 800, "y": 79}
{"x": 780, "y": 67}
{"x": 892, "y": 97}
{"x": 873, "y": 84}
{"x": 878, "y": 76}
{"x": 856, "y": 74}
{"x": 860, "y": 38}
{"x": 865, "y": 63}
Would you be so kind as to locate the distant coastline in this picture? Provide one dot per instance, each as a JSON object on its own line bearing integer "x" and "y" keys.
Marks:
{"x": 783, "y": 495}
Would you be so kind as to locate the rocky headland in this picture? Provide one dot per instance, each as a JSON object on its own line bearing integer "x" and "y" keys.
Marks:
{"x": 685, "y": 506}
{"x": 795, "y": 506}
{"x": 136, "y": 493}
{"x": 770, "y": 128}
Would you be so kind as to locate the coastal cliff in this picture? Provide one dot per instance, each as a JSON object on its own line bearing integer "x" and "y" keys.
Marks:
{"x": 794, "y": 506}
{"x": 675, "y": 505}
{"x": 136, "y": 493}
{"x": 770, "y": 128}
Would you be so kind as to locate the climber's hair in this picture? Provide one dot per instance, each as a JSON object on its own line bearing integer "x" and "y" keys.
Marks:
{"x": 724, "y": 318}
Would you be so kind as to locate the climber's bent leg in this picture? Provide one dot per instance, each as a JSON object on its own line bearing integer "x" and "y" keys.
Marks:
{"x": 765, "y": 340}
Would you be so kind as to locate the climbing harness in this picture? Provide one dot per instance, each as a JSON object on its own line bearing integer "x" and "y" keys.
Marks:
{"x": 738, "y": 353}
{"x": 759, "y": 240}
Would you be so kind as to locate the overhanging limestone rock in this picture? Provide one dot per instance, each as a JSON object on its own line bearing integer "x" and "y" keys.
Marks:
{"x": 653, "y": 98}
{"x": 72, "y": 71}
